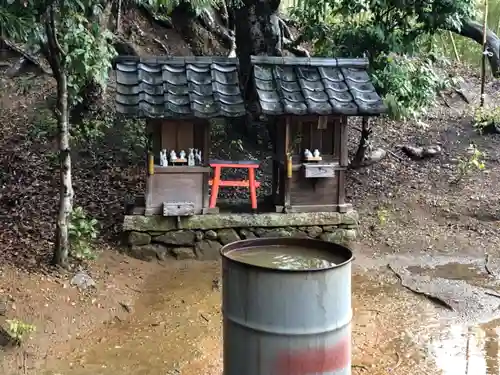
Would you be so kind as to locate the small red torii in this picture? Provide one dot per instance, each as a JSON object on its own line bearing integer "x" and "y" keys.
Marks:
{"x": 251, "y": 183}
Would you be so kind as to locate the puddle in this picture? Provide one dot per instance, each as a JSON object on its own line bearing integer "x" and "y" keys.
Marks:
{"x": 470, "y": 350}
{"x": 474, "y": 274}
{"x": 461, "y": 349}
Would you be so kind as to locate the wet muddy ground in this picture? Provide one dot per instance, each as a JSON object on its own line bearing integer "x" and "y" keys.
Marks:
{"x": 174, "y": 326}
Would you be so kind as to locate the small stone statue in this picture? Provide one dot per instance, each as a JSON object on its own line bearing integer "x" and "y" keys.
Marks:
{"x": 197, "y": 156}
{"x": 173, "y": 156}
{"x": 316, "y": 153}
{"x": 307, "y": 153}
{"x": 191, "y": 161}
{"x": 163, "y": 158}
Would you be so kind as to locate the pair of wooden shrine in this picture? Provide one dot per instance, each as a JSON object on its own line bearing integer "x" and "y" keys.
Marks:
{"x": 298, "y": 184}
{"x": 307, "y": 99}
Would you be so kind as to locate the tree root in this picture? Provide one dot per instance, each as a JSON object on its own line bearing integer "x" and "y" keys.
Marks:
{"x": 205, "y": 33}
{"x": 363, "y": 146}
{"x": 289, "y": 42}
{"x": 162, "y": 45}
{"x": 217, "y": 23}
{"x": 296, "y": 50}
{"x": 27, "y": 60}
{"x": 152, "y": 16}
{"x": 208, "y": 18}
{"x": 224, "y": 14}
{"x": 285, "y": 30}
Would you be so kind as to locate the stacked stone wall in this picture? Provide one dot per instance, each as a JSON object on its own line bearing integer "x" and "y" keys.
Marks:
{"x": 146, "y": 243}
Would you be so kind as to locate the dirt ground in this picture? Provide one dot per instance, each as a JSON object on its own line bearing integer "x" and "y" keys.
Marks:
{"x": 172, "y": 324}
{"x": 149, "y": 318}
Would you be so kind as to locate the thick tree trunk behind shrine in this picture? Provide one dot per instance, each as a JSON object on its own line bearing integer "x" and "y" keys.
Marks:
{"x": 257, "y": 32}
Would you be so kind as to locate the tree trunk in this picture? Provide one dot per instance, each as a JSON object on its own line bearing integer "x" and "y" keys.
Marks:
{"x": 360, "y": 156}
{"x": 257, "y": 32}
{"x": 56, "y": 57}
{"x": 474, "y": 30}
{"x": 62, "y": 244}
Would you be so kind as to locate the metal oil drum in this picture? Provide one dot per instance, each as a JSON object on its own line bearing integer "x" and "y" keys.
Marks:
{"x": 286, "y": 322}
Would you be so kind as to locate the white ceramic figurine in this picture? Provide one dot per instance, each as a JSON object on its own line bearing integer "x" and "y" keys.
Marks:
{"x": 191, "y": 161}
{"x": 173, "y": 156}
{"x": 197, "y": 156}
{"x": 163, "y": 158}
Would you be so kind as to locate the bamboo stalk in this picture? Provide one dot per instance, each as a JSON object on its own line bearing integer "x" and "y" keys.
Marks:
{"x": 485, "y": 51}
{"x": 455, "y": 51}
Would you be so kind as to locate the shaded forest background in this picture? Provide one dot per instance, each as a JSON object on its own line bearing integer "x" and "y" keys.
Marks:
{"x": 67, "y": 48}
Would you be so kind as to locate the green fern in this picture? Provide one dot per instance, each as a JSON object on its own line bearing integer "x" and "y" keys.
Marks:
{"x": 14, "y": 24}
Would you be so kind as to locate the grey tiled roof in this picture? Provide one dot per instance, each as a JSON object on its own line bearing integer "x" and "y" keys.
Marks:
{"x": 321, "y": 86}
{"x": 178, "y": 87}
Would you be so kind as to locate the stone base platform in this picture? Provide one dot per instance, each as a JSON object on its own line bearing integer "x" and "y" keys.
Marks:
{"x": 202, "y": 236}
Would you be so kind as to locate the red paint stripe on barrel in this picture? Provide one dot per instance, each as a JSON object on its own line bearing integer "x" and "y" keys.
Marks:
{"x": 315, "y": 361}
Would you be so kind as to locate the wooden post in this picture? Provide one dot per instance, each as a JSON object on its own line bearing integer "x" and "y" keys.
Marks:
{"x": 286, "y": 154}
{"x": 343, "y": 162}
{"x": 149, "y": 168}
{"x": 275, "y": 177}
{"x": 344, "y": 152}
{"x": 205, "y": 154}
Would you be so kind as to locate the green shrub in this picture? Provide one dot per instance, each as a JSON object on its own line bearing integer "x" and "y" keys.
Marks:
{"x": 486, "y": 119}
{"x": 408, "y": 84}
{"x": 18, "y": 330}
{"x": 82, "y": 232}
{"x": 474, "y": 161}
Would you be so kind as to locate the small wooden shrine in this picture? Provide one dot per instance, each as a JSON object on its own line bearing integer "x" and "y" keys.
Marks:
{"x": 311, "y": 99}
{"x": 178, "y": 97}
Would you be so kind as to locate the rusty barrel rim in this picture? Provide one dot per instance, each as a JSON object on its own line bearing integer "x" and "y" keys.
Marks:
{"x": 342, "y": 250}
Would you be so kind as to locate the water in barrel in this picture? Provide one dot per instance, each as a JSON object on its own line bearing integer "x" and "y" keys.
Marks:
{"x": 285, "y": 257}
